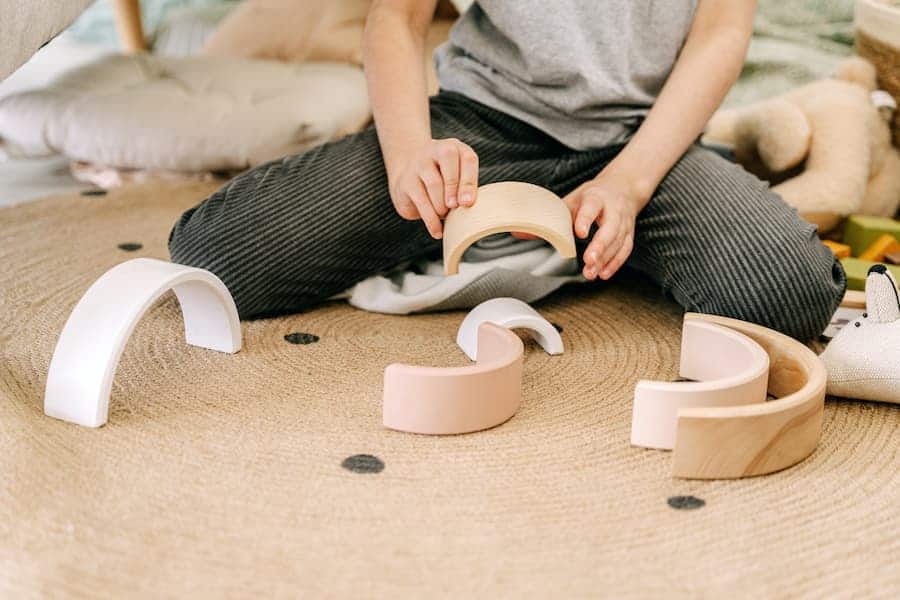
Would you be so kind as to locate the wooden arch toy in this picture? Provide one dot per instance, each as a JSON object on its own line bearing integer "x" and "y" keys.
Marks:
{"x": 436, "y": 400}
{"x": 755, "y": 439}
{"x": 503, "y": 207}
{"x": 727, "y": 368}
{"x": 91, "y": 343}
{"x": 511, "y": 313}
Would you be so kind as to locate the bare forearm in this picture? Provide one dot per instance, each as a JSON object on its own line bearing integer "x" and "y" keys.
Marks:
{"x": 709, "y": 64}
{"x": 395, "y": 71}
{"x": 426, "y": 177}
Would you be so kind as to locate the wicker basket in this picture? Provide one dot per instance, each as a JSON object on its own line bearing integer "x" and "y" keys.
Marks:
{"x": 878, "y": 40}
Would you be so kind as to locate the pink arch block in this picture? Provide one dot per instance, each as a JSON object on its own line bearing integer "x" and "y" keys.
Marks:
{"x": 727, "y": 368}
{"x": 449, "y": 400}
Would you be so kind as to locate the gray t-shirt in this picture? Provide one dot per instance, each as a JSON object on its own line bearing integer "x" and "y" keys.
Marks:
{"x": 583, "y": 71}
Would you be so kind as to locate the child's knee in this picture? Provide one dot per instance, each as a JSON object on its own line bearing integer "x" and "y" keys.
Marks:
{"x": 803, "y": 297}
{"x": 186, "y": 241}
{"x": 794, "y": 290}
{"x": 199, "y": 241}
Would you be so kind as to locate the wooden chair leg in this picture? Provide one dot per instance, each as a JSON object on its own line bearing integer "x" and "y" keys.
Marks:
{"x": 128, "y": 24}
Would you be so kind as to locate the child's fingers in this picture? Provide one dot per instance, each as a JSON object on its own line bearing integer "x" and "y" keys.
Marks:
{"x": 426, "y": 211}
{"x": 587, "y": 215}
{"x": 589, "y": 272}
{"x": 619, "y": 259}
{"x": 434, "y": 186}
{"x": 573, "y": 203}
{"x": 468, "y": 176}
{"x": 406, "y": 208}
{"x": 603, "y": 242}
{"x": 608, "y": 251}
{"x": 448, "y": 162}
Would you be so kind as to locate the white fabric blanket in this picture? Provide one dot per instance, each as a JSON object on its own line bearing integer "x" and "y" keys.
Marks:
{"x": 497, "y": 266}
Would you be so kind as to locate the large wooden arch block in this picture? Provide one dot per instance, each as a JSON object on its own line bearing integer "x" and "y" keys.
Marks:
{"x": 504, "y": 207}
{"x": 87, "y": 354}
{"x": 450, "y": 400}
{"x": 756, "y": 439}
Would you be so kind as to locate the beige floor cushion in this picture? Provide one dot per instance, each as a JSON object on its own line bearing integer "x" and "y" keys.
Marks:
{"x": 25, "y": 26}
{"x": 185, "y": 114}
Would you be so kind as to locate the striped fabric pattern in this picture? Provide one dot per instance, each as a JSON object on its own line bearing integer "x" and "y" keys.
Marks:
{"x": 295, "y": 231}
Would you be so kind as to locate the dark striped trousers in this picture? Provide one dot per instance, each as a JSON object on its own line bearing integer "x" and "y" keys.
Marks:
{"x": 297, "y": 230}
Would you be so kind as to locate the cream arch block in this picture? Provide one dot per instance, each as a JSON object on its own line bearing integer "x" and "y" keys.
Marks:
{"x": 756, "y": 439}
{"x": 435, "y": 400}
{"x": 727, "y": 368}
{"x": 511, "y": 313}
{"x": 91, "y": 343}
{"x": 854, "y": 299}
{"x": 508, "y": 206}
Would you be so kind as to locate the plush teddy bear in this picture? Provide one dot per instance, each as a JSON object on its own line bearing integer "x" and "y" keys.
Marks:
{"x": 863, "y": 359}
{"x": 825, "y": 146}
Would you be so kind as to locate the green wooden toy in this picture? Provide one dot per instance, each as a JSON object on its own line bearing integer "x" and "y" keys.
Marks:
{"x": 860, "y": 231}
{"x": 857, "y": 270}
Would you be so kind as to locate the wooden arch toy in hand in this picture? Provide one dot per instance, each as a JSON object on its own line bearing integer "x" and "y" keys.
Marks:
{"x": 504, "y": 207}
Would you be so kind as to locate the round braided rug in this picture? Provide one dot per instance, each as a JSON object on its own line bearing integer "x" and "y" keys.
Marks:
{"x": 268, "y": 472}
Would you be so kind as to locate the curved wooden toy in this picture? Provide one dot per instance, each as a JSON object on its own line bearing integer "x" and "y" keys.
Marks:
{"x": 508, "y": 206}
{"x": 727, "y": 369}
{"x": 437, "y": 400}
{"x": 854, "y": 299}
{"x": 91, "y": 343}
{"x": 742, "y": 441}
{"x": 511, "y": 313}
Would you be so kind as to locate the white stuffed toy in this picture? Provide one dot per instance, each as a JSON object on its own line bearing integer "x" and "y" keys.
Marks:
{"x": 863, "y": 360}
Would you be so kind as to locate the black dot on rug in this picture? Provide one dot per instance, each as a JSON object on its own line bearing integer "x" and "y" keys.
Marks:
{"x": 557, "y": 326}
{"x": 685, "y": 502}
{"x": 363, "y": 463}
{"x": 130, "y": 246}
{"x": 301, "y": 338}
{"x": 93, "y": 192}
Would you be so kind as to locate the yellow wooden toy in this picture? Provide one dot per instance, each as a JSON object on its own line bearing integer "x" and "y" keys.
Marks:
{"x": 840, "y": 250}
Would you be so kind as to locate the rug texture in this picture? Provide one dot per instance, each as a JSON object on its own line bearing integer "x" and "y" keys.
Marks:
{"x": 268, "y": 472}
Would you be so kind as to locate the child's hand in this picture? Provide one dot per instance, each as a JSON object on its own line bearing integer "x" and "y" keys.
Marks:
{"x": 613, "y": 205}
{"x": 442, "y": 175}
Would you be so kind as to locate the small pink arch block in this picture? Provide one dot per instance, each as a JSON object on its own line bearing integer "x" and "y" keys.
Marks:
{"x": 442, "y": 401}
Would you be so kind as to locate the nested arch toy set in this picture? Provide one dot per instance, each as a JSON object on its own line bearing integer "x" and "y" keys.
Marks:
{"x": 719, "y": 424}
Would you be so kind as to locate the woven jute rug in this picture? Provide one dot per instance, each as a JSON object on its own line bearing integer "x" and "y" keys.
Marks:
{"x": 268, "y": 472}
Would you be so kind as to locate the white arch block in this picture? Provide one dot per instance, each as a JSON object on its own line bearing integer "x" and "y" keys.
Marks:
{"x": 511, "y": 313}
{"x": 727, "y": 368}
{"x": 88, "y": 351}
